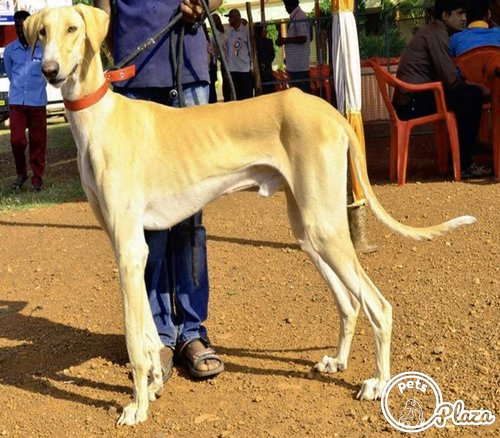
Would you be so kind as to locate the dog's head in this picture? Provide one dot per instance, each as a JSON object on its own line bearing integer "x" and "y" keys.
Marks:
{"x": 70, "y": 36}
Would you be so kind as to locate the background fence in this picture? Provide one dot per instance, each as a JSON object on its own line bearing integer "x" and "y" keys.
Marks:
{"x": 383, "y": 34}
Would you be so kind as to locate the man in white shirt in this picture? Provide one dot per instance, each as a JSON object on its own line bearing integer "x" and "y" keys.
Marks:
{"x": 297, "y": 46}
{"x": 239, "y": 56}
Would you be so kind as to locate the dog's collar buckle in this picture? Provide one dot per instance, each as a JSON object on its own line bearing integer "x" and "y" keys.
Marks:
{"x": 120, "y": 74}
{"x": 92, "y": 98}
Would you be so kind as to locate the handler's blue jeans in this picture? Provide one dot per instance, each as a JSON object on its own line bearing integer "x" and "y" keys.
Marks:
{"x": 179, "y": 305}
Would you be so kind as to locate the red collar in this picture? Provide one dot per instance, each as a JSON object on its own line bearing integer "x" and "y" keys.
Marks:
{"x": 96, "y": 96}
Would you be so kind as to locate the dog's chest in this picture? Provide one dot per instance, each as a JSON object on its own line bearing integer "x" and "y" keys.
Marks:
{"x": 82, "y": 140}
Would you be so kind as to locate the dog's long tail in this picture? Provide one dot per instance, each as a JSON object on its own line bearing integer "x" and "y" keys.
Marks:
{"x": 359, "y": 163}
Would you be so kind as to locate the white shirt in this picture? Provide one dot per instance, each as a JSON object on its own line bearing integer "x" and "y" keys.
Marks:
{"x": 238, "y": 49}
{"x": 297, "y": 55}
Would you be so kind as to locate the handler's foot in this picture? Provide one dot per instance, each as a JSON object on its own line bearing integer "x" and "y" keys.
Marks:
{"x": 166, "y": 362}
{"x": 36, "y": 184}
{"x": 17, "y": 185}
{"x": 200, "y": 360}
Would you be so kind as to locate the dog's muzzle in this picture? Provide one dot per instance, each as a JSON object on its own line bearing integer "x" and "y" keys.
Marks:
{"x": 50, "y": 70}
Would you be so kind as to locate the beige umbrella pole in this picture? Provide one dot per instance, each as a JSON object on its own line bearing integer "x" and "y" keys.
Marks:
{"x": 347, "y": 79}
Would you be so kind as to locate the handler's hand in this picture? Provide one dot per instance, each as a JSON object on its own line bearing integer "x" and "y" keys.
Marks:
{"x": 192, "y": 11}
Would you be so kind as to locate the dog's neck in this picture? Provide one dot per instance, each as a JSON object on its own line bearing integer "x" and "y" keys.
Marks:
{"x": 88, "y": 77}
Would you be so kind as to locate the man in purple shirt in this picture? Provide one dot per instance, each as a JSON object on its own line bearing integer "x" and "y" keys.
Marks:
{"x": 177, "y": 288}
{"x": 427, "y": 58}
{"x": 27, "y": 106}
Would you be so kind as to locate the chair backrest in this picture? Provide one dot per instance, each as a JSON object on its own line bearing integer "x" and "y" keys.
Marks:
{"x": 385, "y": 81}
{"x": 479, "y": 64}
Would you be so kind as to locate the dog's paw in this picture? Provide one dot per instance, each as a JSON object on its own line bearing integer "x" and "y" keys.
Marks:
{"x": 155, "y": 389}
{"x": 132, "y": 415}
{"x": 330, "y": 365}
{"x": 371, "y": 389}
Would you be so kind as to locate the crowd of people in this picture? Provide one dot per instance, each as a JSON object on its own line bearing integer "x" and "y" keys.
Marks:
{"x": 176, "y": 274}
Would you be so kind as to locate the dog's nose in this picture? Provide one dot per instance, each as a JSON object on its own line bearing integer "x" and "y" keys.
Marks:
{"x": 50, "y": 69}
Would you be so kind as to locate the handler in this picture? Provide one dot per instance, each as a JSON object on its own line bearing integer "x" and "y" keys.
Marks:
{"x": 178, "y": 300}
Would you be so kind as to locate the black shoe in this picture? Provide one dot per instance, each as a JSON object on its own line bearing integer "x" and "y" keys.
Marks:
{"x": 475, "y": 171}
{"x": 17, "y": 185}
{"x": 37, "y": 187}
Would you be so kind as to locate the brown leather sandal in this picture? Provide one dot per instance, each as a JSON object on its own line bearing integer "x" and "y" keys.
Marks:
{"x": 191, "y": 361}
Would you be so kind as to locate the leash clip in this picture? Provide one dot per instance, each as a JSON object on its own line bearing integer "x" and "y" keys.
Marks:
{"x": 173, "y": 94}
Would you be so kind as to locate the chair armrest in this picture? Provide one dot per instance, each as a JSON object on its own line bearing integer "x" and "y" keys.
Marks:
{"x": 428, "y": 86}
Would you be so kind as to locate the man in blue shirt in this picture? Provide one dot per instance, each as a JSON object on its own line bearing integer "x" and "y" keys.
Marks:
{"x": 478, "y": 32}
{"x": 176, "y": 274}
{"x": 27, "y": 106}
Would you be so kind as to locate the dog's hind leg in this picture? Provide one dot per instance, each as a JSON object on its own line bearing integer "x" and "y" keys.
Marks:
{"x": 347, "y": 306}
{"x": 348, "y": 309}
{"x": 322, "y": 205}
{"x": 337, "y": 251}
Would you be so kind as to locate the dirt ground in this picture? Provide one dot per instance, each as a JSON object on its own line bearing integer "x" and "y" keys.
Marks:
{"x": 63, "y": 361}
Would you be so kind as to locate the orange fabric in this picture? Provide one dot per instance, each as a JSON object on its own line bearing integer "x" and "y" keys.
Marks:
{"x": 342, "y": 6}
{"x": 479, "y": 23}
{"x": 355, "y": 120}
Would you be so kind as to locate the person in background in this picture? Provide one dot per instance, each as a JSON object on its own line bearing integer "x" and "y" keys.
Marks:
{"x": 494, "y": 20}
{"x": 212, "y": 64}
{"x": 176, "y": 274}
{"x": 239, "y": 56}
{"x": 478, "y": 32}
{"x": 265, "y": 56}
{"x": 297, "y": 46}
{"x": 427, "y": 58}
{"x": 27, "y": 106}
{"x": 220, "y": 33}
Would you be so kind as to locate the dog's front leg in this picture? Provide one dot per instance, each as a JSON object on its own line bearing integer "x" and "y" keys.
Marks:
{"x": 131, "y": 252}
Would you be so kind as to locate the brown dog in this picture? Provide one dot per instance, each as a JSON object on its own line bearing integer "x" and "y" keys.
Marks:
{"x": 145, "y": 165}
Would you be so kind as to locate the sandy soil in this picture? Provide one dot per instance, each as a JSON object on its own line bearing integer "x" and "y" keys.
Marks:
{"x": 63, "y": 362}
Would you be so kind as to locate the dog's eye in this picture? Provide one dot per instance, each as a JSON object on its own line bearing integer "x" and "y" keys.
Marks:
{"x": 71, "y": 29}
{"x": 41, "y": 32}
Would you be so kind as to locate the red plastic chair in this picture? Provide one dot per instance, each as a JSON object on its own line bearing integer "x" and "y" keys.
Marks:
{"x": 282, "y": 80}
{"x": 482, "y": 65}
{"x": 442, "y": 120}
{"x": 320, "y": 81}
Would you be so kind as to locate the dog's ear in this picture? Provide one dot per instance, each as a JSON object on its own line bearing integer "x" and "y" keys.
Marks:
{"x": 31, "y": 27}
{"x": 96, "y": 24}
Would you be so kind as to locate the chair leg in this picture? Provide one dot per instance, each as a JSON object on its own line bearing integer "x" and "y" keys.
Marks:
{"x": 441, "y": 146}
{"x": 393, "y": 158}
{"x": 454, "y": 144}
{"x": 484, "y": 126}
{"x": 402, "y": 158}
{"x": 496, "y": 144}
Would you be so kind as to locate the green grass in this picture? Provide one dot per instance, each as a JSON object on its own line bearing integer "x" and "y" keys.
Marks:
{"x": 56, "y": 193}
{"x": 60, "y": 184}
